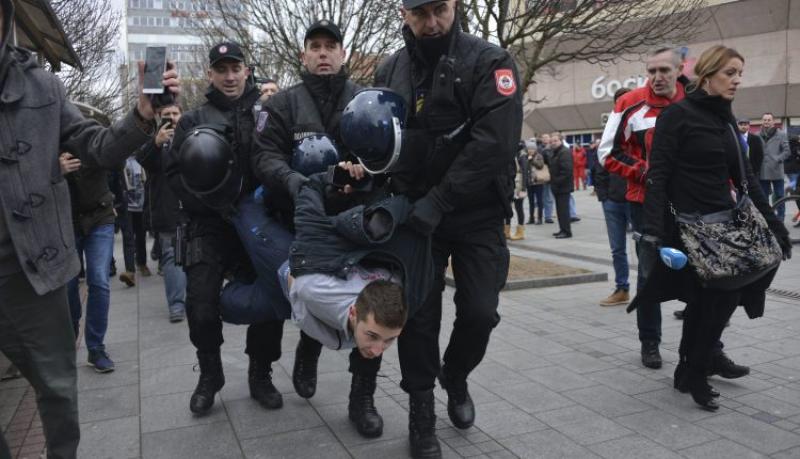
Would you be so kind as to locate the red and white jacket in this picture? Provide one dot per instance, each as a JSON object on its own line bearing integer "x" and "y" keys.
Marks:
{"x": 628, "y": 136}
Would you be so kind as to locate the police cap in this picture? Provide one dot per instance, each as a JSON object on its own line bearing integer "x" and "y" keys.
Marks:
{"x": 326, "y": 26}
{"x": 411, "y": 4}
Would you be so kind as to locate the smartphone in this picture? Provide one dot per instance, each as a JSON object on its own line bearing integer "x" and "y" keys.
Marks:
{"x": 155, "y": 64}
{"x": 165, "y": 122}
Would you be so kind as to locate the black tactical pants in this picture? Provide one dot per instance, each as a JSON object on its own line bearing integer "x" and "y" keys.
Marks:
{"x": 213, "y": 250}
{"x": 480, "y": 257}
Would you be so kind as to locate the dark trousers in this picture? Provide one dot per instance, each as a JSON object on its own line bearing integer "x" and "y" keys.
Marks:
{"x": 37, "y": 337}
{"x": 519, "y": 210}
{"x": 703, "y": 322}
{"x": 562, "y": 212}
{"x": 480, "y": 266}
{"x": 139, "y": 237}
{"x": 648, "y": 316}
{"x": 221, "y": 251}
{"x": 359, "y": 364}
{"x": 536, "y": 200}
{"x": 128, "y": 240}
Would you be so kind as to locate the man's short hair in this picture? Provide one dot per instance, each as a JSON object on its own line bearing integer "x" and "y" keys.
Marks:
{"x": 386, "y": 301}
{"x": 768, "y": 113}
{"x": 677, "y": 53}
{"x": 163, "y": 107}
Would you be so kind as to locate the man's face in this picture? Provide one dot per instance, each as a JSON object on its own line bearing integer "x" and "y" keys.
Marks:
{"x": 768, "y": 121}
{"x": 371, "y": 339}
{"x": 432, "y": 19}
{"x": 229, "y": 77}
{"x": 744, "y": 126}
{"x": 267, "y": 90}
{"x": 555, "y": 140}
{"x": 546, "y": 139}
{"x": 172, "y": 113}
{"x": 663, "y": 73}
{"x": 323, "y": 55}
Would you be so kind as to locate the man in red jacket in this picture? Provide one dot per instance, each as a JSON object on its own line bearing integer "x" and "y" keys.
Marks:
{"x": 624, "y": 150}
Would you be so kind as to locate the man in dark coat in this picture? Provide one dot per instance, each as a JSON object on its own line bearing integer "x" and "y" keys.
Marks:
{"x": 561, "y": 183}
{"x": 755, "y": 146}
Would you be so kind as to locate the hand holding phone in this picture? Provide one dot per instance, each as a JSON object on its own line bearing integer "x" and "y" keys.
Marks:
{"x": 162, "y": 85}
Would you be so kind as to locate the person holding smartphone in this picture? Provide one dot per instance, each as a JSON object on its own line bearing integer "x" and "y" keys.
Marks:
{"x": 37, "y": 244}
{"x": 164, "y": 208}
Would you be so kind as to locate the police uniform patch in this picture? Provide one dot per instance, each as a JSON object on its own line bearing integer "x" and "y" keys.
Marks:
{"x": 223, "y": 49}
{"x": 262, "y": 121}
{"x": 506, "y": 84}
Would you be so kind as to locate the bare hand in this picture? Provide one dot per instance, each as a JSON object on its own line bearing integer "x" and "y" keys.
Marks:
{"x": 356, "y": 170}
{"x": 68, "y": 163}
{"x": 164, "y": 135}
{"x": 170, "y": 81}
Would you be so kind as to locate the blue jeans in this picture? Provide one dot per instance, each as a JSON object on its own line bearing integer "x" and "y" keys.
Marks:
{"x": 572, "y": 212}
{"x": 97, "y": 246}
{"x": 648, "y": 316}
{"x": 793, "y": 181}
{"x": 548, "y": 202}
{"x": 616, "y": 214}
{"x": 536, "y": 199}
{"x": 267, "y": 243}
{"x": 777, "y": 190}
{"x": 174, "y": 277}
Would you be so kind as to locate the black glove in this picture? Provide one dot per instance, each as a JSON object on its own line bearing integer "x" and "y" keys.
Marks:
{"x": 786, "y": 246}
{"x": 782, "y": 235}
{"x": 427, "y": 212}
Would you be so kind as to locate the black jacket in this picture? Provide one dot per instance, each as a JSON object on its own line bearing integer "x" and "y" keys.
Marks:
{"x": 694, "y": 158}
{"x": 161, "y": 200}
{"x": 475, "y": 86}
{"x": 332, "y": 243}
{"x": 92, "y": 200}
{"x": 312, "y": 107}
{"x": 755, "y": 151}
{"x": 608, "y": 186}
{"x": 560, "y": 164}
{"x": 240, "y": 124}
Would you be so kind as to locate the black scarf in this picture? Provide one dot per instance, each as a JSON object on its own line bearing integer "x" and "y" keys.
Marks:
{"x": 326, "y": 90}
{"x": 766, "y": 134}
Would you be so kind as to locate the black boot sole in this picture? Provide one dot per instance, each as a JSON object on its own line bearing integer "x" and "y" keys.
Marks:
{"x": 362, "y": 432}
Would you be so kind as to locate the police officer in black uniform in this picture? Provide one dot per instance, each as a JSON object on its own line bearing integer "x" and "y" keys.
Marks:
{"x": 309, "y": 108}
{"x": 213, "y": 250}
{"x": 464, "y": 124}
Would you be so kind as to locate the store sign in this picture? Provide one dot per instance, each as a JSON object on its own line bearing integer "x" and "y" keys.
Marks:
{"x": 602, "y": 88}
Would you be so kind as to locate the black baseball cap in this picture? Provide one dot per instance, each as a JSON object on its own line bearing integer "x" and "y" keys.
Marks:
{"x": 324, "y": 25}
{"x": 411, "y": 4}
{"x": 225, "y": 50}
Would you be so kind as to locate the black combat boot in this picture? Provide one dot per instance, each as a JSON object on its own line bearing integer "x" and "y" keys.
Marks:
{"x": 361, "y": 409}
{"x": 460, "y": 408}
{"x": 304, "y": 374}
{"x": 722, "y": 365}
{"x": 422, "y": 426}
{"x": 211, "y": 381}
{"x": 259, "y": 379}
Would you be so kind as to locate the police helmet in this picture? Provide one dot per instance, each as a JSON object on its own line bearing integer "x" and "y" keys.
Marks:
{"x": 372, "y": 128}
{"x": 208, "y": 168}
{"x": 314, "y": 153}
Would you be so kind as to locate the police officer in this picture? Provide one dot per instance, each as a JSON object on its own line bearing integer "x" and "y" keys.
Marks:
{"x": 312, "y": 107}
{"x": 464, "y": 124}
{"x": 213, "y": 249}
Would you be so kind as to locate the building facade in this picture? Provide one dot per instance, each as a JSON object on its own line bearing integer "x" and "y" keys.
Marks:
{"x": 575, "y": 98}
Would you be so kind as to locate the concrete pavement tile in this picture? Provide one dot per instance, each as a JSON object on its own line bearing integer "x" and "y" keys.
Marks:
{"x": 769, "y": 332}
{"x": 491, "y": 374}
{"x": 775, "y": 407}
{"x": 543, "y": 346}
{"x": 517, "y": 359}
{"x": 168, "y": 380}
{"x": 121, "y": 335}
{"x": 759, "y": 436}
{"x": 766, "y": 417}
{"x": 161, "y": 337}
{"x": 329, "y": 361}
{"x": 607, "y": 402}
{"x": 125, "y": 374}
{"x": 395, "y": 422}
{"x": 572, "y": 338}
{"x": 333, "y": 389}
{"x": 250, "y": 420}
{"x": 593, "y": 429}
{"x": 673, "y": 402}
{"x": 557, "y": 378}
{"x": 302, "y": 444}
{"x": 111, "y": 403}
{"x": 786, "y": 425}
{"x": 793, "y": 453}
{"x": 164, "y": 412}
{"x": 626, "y": 381}
{"x": 168, "y": 356}
{"x": 393, "y": 449}
{"x": 787, "y": 347}
{"x": 787, "y": 393}
{"x": 490, "y": 446}
{"x": 605, "y": 347}
{"x": 747, "y": 410}
{"x": 546, "y": 444}
{"x": 753, "y": 356}
{"x": 112, "y": 439}
{"x": 501, "y": 420}
{"x": 127, "y": 351}
{"x": 739, "y": 387}
{"x": 568, "y": 415}
{"x": 632, "y": 447}
{"x": 237, "y": 387}
{"x": 579, "y": 362}
{"x": 666, "y": 429}
{"x": 215, "y": 440}
{"x": 532, "y": 397}
{"x": 721, "y": 449}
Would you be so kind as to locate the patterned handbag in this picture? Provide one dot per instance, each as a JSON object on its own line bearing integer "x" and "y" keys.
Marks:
{"x": 732, "y": 248}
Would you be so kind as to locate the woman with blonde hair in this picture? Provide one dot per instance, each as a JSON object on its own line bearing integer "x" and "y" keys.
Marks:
{"x": 696, "y": 170}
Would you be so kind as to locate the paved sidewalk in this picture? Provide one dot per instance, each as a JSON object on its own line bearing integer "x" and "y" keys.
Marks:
{"x": 561, "y": 378}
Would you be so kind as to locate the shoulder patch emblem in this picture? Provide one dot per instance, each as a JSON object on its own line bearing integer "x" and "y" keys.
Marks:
{"x": 506, "y": 84}
{"x": 262, "y": 121}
